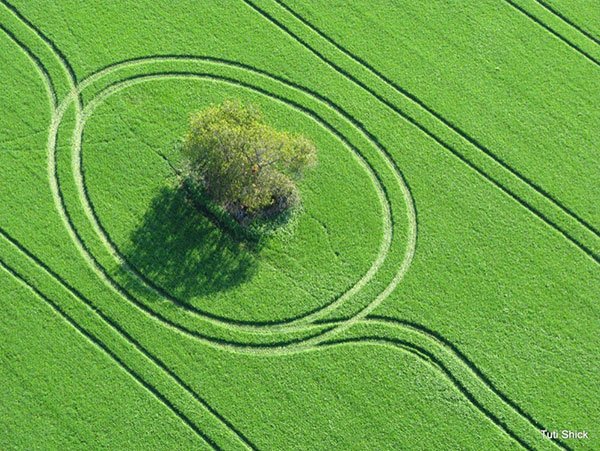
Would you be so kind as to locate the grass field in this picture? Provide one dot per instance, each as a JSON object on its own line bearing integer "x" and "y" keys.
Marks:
{"x": 440, "y": 288}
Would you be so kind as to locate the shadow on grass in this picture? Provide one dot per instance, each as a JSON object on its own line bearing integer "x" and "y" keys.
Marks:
{"x": 183, "y": 249}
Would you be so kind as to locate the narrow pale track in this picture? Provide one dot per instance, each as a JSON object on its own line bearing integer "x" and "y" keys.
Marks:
{"x": 108, "y": 243}
{"x": 336, "y": 330}
{"x": 471, "y": 152}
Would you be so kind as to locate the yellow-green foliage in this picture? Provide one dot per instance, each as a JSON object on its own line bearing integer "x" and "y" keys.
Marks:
{"x": 242, "y": 162}
{"x": 130, "y": 320}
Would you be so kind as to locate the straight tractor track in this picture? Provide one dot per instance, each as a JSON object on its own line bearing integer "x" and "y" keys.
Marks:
{"x": 111, "y": 323}
{"x": 568, "y": 21}
{"x": 294, "y": 323}
{"x": 414, "y": 348}
{"x": 555, "y": 33}
{"x": 323, "y": 339}
{"x": 103, "y": 347}
{"x": 118, "y": 329}
{"x": 591, "y": 232}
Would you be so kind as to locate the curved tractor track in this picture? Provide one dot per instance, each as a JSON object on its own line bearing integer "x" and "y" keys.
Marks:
{"x": 440, "y": 354}
{"x": 448, "y": 135}
{"x": 202, "y": 73}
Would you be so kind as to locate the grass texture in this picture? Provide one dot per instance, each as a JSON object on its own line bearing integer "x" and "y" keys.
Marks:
{"x": 439, "y": 289}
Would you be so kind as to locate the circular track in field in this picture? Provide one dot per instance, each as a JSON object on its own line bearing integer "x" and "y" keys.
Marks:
{"x": 395, "y": 242}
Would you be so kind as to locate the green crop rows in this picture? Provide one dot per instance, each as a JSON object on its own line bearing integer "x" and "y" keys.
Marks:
{"x": 439, "y": 290}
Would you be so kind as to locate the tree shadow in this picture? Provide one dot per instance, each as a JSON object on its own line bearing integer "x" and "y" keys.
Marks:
{"x": 184, "y": 250}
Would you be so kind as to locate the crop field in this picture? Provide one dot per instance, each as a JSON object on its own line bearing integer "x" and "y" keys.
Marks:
{"x": 438, "y": 290}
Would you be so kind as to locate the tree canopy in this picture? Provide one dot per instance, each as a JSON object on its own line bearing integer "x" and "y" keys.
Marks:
{"x": 244, "y": 164}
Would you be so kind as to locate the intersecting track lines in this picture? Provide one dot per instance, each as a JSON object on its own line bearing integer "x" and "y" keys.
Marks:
{"x": 457, "y": 366}
{"x": 208, "y": 72}
{"x": 428, "y": 357}
{"x": 591, "y": 231}
{"x": 341, "y": 326}
{"x": 115, "y": 327}
{"x": 52, "y": 169}
{"x": 115, "y": 87}
{"x": 448, "y": 135}
{"x": 28, "y": 259}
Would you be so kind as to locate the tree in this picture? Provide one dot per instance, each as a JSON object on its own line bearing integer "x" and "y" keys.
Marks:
{"x": 242, "y": 163}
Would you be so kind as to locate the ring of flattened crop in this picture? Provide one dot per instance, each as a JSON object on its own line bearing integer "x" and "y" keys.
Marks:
{"x": 305, "y": 322}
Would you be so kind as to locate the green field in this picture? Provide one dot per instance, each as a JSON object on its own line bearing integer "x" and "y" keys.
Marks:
{"x": 439, "y": 290}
